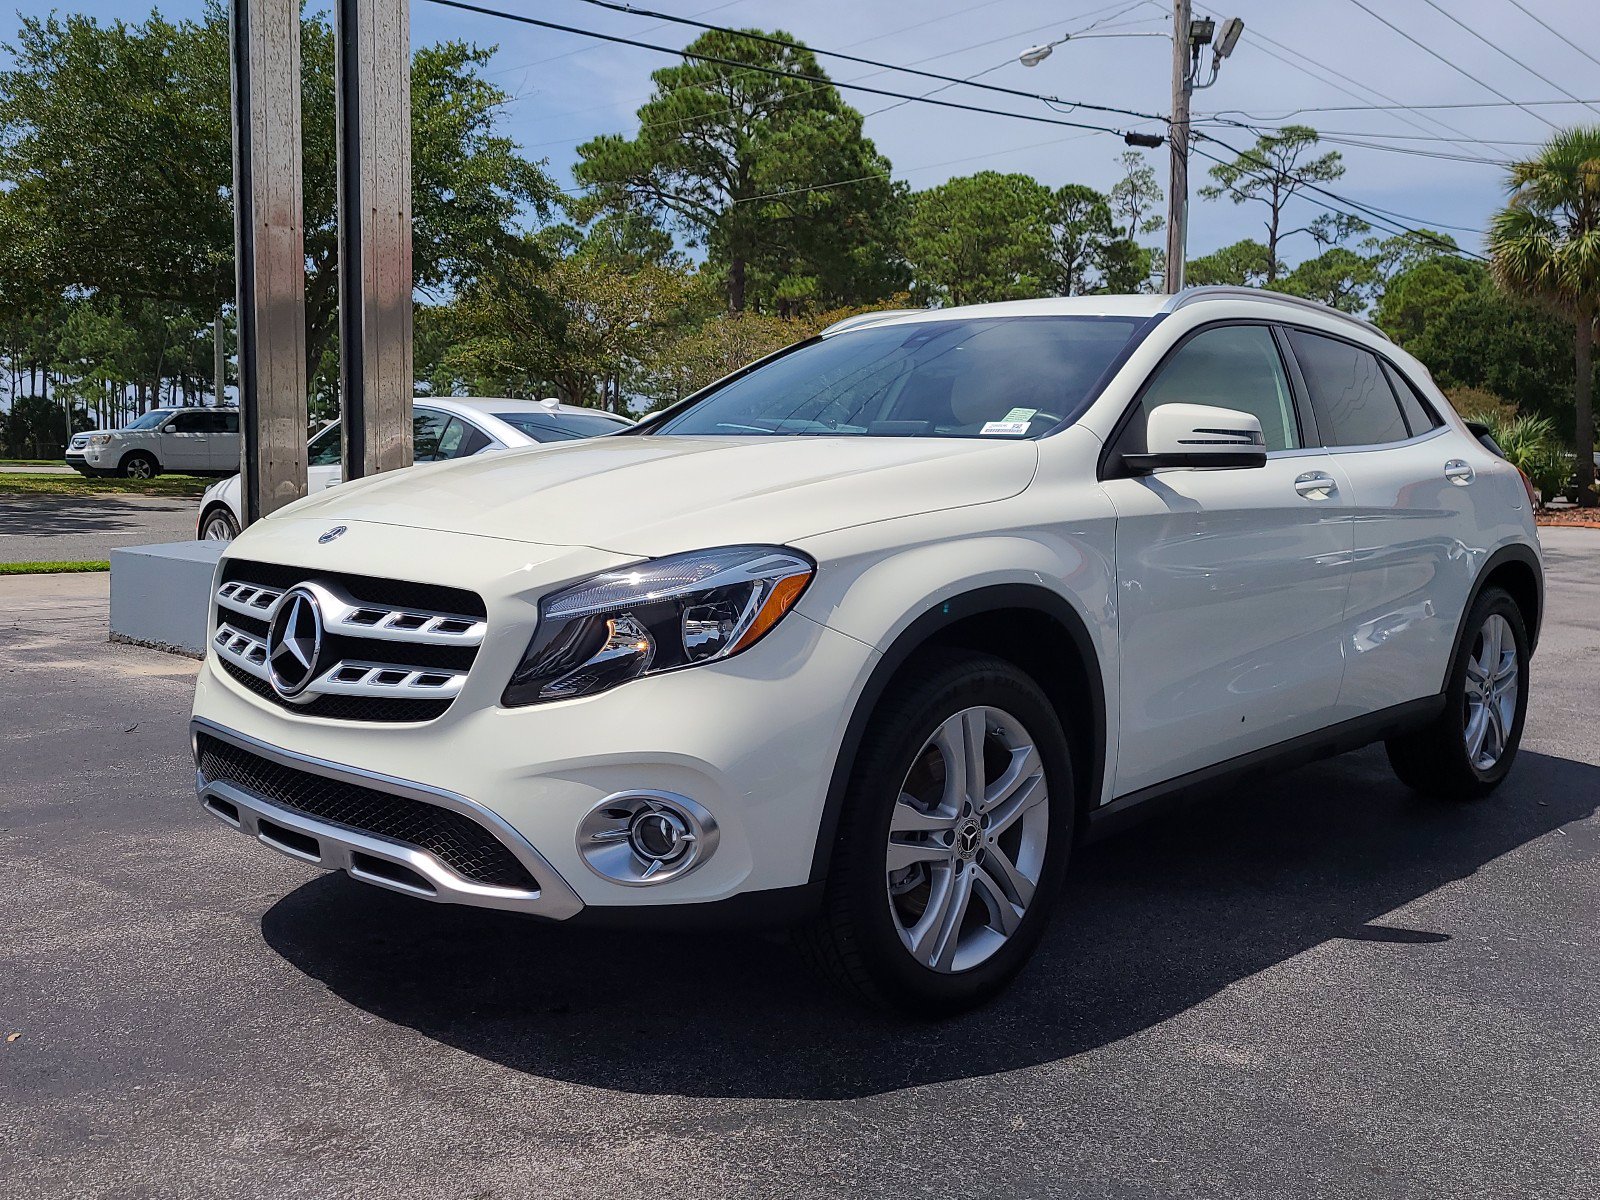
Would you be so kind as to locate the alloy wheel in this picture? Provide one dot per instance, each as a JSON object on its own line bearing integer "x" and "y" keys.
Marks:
{"x": 967, "y": 839}
{"x": 1491, "y": 693}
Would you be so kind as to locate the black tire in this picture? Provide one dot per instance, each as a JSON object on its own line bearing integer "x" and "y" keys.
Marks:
{"x": 139, "y": 465}
{"x": 854, "y": 941}
{"x": 217, "y": 524}
{"x": 1435, "y": 760}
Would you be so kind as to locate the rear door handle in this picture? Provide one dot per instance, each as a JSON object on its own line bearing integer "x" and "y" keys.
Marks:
{"x": 1316, "y": 485}
{"x": 1458, "y": 472}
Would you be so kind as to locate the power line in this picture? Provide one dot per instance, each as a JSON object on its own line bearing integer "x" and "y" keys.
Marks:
{"x": 1312, "y": 108}
{"x": 785, "y": 43}
{"x": 1386, "y": 219}
{"x": 539, "y": 62}
{"x": 1453, "y": 66}
{"x": 1257, "y": 38}
{"x": 1535, "y": 16}
{"x": 483, "y": 10}
{"x": 1504, "y": 53}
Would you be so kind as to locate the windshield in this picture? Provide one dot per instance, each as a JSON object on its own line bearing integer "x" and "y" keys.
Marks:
{"x": 1004, "y": 377}
{"x": 151, "y": 419}
{"x": 561, "y": 426}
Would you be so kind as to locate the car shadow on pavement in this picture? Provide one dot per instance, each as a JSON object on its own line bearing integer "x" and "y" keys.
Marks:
{"x": 1153, "y": 922}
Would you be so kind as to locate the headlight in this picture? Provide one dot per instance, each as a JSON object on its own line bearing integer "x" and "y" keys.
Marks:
{"x": 659, "y": 616}
{"x": 100, "y": 439}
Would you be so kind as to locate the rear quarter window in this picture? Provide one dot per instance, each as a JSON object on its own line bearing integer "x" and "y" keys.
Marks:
{"x": 1354, "y": 404}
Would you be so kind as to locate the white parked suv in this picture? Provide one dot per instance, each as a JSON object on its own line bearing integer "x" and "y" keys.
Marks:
{"x": 868, "y": 635}
{"x": 190, "y": 441}
{"x": 442, "y": 428}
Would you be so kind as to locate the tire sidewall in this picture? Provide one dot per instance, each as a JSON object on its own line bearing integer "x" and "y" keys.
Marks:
{"x": 1492, "y": 602}
{"x": 128, "y": 465}
{"x": 887, "y": 755}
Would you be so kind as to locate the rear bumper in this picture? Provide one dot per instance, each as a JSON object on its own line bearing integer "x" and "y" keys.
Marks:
{"x": 365, "y": 855}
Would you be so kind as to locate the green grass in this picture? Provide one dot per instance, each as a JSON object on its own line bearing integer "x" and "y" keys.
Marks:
{"x": 51, "y": 568}
{"x": 77, "y": 485}
{"x": 33, "y": 462}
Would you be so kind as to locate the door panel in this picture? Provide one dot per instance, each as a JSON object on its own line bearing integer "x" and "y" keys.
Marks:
{"x": 1411, "y": 573}
{"x": 1230, "y": 605}
{"x": 183, "y": 445}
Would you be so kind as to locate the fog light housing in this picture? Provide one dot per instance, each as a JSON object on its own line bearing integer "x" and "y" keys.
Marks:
{"x": 646, "y": 837}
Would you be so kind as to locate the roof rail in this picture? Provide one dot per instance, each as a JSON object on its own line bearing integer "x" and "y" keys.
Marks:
{"x": 868, "y": 318}
{"x": 1194, "y": 295}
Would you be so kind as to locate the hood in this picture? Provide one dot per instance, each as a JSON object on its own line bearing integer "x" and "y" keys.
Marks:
{"x": 648, "y": 496}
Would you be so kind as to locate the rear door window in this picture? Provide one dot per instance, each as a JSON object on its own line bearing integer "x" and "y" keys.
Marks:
{"x": 1420, "y": 417}
{"x": 1354, "y": 403}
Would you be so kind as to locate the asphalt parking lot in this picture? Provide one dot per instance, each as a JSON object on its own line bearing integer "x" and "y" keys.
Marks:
{"x": 1321, "y": 985}
{"x": 87, "y": 528}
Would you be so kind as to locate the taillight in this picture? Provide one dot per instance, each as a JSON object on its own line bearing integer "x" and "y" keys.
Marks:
{"x": 1527, "y": 486}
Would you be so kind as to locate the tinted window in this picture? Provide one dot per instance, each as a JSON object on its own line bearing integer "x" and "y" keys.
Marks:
{"x": 563, "y": 425}
{"x": 1351, "y": 397}
{"x": 427, "y": 434}
{"x": 472, "y": 441}
{"x": 190, "y": 423}
{"x": 1419, "y": 416}
{"x": 1237, "y": 367}
{"x": 324, "y": 450}
{"x": 979, "y": 377}
{"x": 227, "y": 422}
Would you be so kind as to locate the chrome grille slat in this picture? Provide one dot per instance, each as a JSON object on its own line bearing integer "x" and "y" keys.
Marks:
{"x": 364, "y": 635}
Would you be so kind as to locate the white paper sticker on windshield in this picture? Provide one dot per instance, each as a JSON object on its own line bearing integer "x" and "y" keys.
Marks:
{"x": 1012, "y": 428}
{"x": 1020, "y": 414}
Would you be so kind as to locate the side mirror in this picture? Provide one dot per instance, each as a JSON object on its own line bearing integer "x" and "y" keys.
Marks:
{"x": 1197, "y": 435}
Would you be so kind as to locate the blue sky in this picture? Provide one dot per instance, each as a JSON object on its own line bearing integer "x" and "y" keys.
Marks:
{"x": 566, "y": 88}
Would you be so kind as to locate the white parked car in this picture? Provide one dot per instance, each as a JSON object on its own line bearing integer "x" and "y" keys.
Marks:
{"x": 189, "y": 441}
{"x": 867, "y": 636}
{"x": 442, "y": 428}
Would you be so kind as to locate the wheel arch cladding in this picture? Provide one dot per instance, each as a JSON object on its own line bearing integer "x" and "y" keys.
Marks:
{"x": 1031, "y": 627}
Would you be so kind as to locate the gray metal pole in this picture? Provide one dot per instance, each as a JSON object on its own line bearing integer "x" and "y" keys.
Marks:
{"x": 1178, "y": 177}
{"x": 373, "y": 103}
{"x": 269, "y": 247}
{"x": 219, "y": 359}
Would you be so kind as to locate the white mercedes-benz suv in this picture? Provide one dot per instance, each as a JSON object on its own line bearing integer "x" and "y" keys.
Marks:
{"x": 865, "y": 637}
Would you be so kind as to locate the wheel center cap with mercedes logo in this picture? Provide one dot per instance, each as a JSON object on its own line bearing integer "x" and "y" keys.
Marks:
{"x": 294, "y": 642}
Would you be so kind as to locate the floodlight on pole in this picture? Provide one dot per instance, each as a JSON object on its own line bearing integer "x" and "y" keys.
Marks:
{"x": 1228, "y": 37}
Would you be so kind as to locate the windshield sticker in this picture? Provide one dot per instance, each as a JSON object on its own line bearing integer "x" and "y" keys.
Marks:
{"x": 1007, "y": 428}
{"x": 1020, "y": 414}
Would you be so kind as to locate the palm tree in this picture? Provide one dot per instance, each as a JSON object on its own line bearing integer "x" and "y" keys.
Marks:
{"x": 1545, "y": 244}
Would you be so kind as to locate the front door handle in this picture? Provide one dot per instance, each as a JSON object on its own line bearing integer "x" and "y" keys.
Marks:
{"x": 1458, "y": 472}
{"x": 1316, "y": 485}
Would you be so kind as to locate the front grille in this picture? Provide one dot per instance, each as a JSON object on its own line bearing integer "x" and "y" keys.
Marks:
{"x": 455, "y": 839}
{"x": 410, "y": 676}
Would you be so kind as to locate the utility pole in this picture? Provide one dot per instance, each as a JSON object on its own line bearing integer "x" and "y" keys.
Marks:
{"x": 1190, "y": 36}
{"x": 1178, "y": 147}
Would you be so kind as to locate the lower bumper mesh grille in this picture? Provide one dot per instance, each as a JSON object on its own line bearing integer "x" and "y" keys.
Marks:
{"x": 455, "y": 839}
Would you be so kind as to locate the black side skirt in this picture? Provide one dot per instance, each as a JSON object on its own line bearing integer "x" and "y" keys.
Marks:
{"x": 1127, "y": 811}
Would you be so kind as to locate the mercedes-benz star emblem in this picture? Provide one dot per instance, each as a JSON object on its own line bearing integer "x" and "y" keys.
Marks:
{"x": 336, "y": 531}
{"x": 294, "y": 642}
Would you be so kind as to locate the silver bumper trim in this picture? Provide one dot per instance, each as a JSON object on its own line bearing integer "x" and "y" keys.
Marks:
{"x": 365, "y": 857}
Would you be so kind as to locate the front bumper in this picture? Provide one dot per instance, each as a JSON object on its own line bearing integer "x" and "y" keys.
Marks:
{"x": 386, "y": 862}
{"x": 753, "y": 740}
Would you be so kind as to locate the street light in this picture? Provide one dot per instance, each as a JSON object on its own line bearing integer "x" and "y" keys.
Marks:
{"x": 1034, "y": 55}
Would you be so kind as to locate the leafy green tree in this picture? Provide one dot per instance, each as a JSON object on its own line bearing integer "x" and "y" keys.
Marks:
{"x": 1243, "y": 264}
{"x": 116, "y": 165}
{"x": 1272, "y": 173}
{"x": 1338, "y": 277}
{"x": 1135, "y": 199}
{"x": 1418, "y": 295}
{"x": 1088, "y": 250}
{"x": 769, "y": 172}
{"x": 1545, "y": 245}
{"x": 983, "y": 237}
